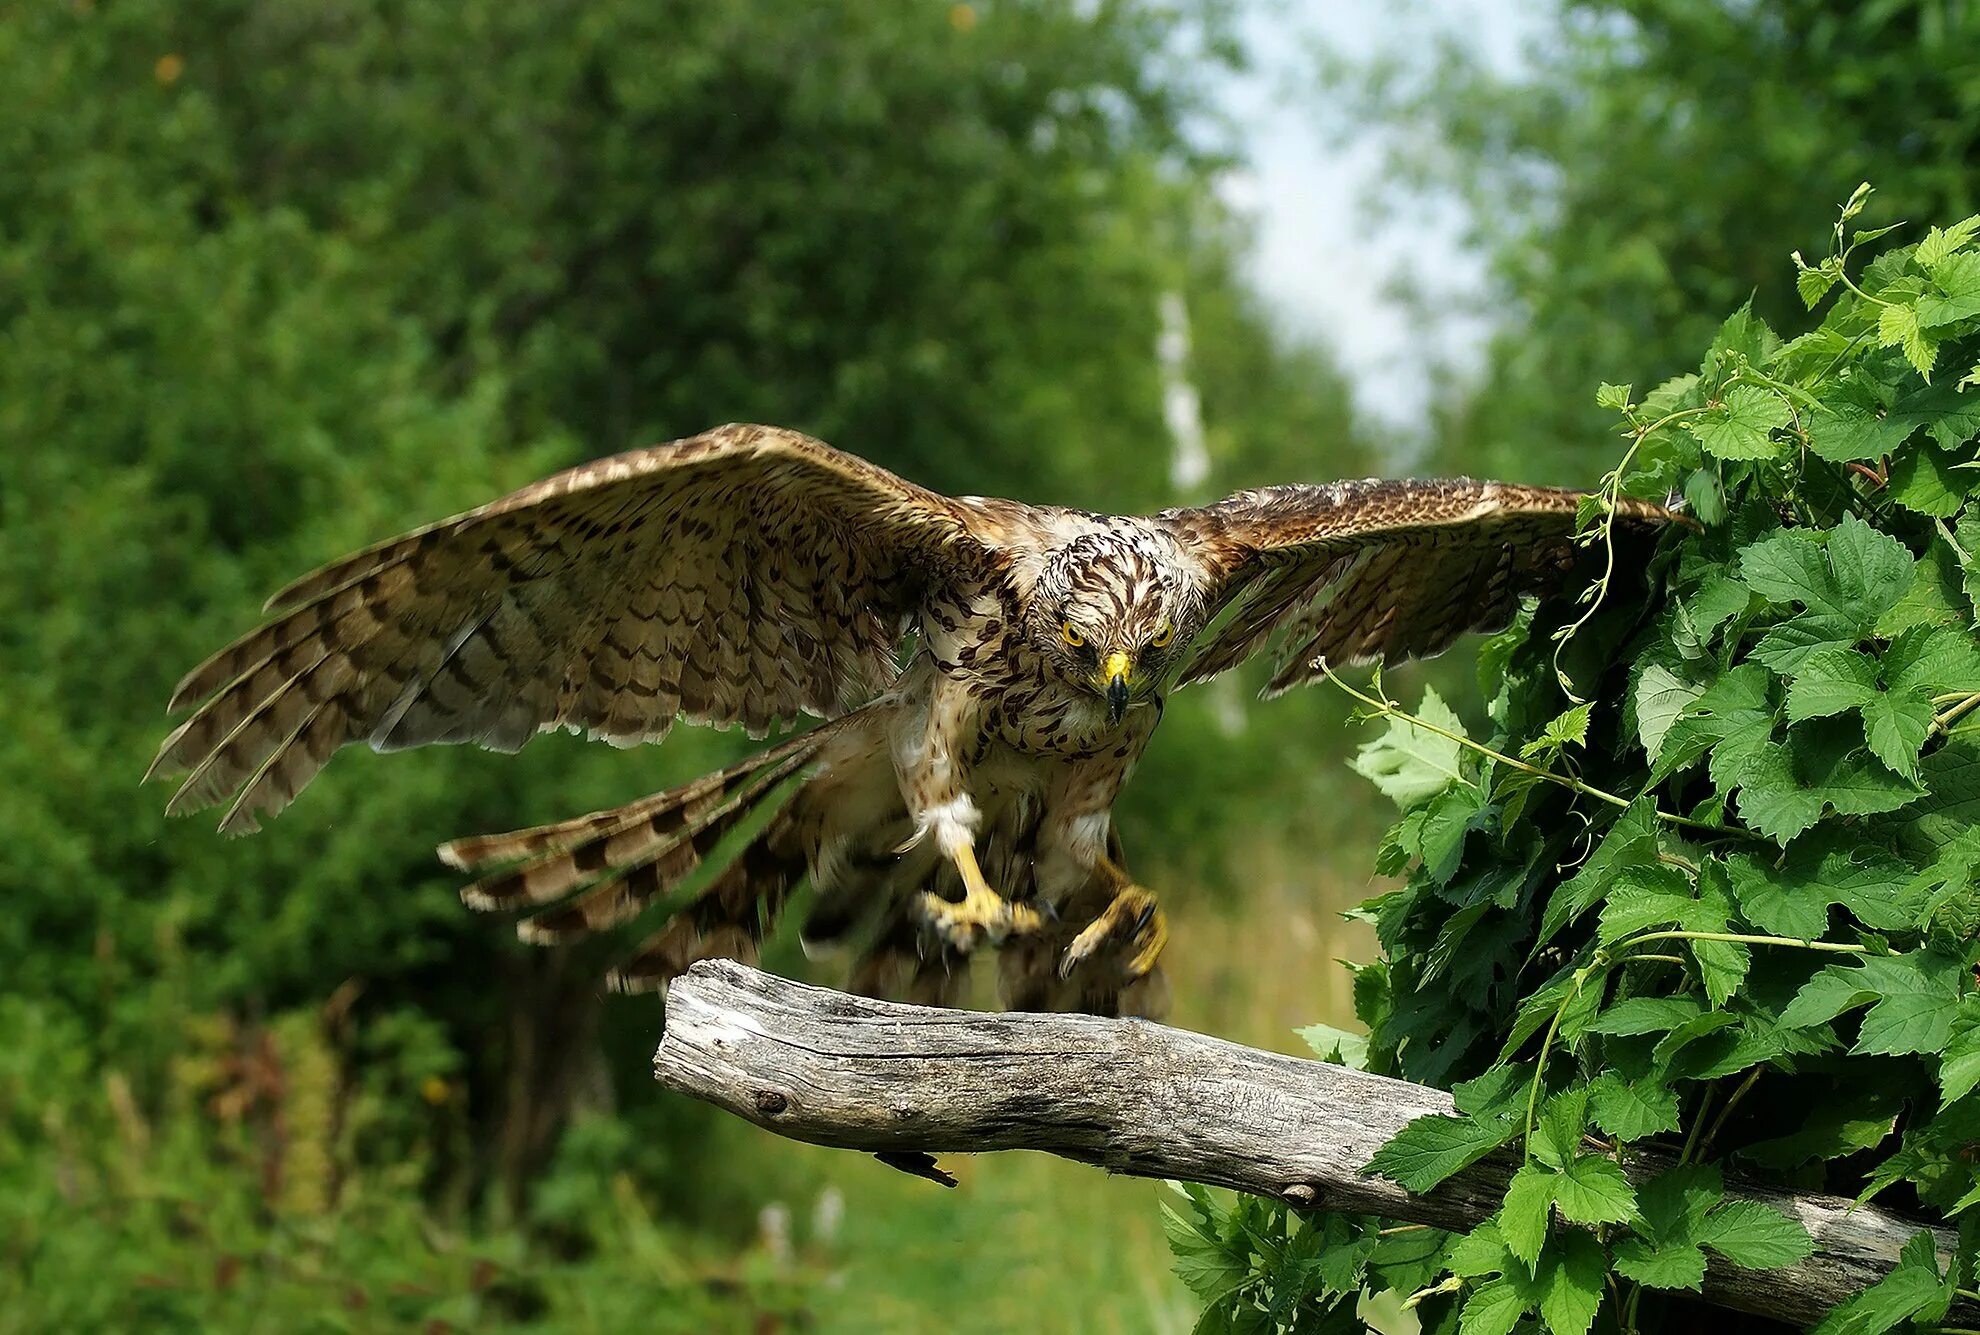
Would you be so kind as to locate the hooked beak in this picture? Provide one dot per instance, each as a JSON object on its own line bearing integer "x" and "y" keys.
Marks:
{"x": 1115, "y": 673}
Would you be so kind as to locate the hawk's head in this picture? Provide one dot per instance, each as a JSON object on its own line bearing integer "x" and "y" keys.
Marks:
{"x": 1111, "y": 608}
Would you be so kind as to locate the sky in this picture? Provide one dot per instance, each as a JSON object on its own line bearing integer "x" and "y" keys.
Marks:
{"x": 1321, "y": 266}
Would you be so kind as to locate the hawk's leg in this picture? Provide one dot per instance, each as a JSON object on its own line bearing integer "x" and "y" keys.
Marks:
{"x": 934, "y": 781}
{"x": 1131, "y": 918}
{"x": 983, "y": 913}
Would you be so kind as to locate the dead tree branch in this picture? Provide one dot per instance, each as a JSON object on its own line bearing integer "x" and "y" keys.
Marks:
{"x": 1140, "y": 1098}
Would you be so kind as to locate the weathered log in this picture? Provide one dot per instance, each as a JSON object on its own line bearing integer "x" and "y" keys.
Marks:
{"x": 1145, "y": 1099}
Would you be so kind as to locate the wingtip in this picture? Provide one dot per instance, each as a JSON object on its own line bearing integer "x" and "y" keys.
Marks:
{"x": 158, "y": 768}
{"x": 477, "y": 896}
{"x": 165, "y": 762}
{"x": 531, "y": 932}
{"x": 185, "y": 694}
{"x": 239, "y": 824}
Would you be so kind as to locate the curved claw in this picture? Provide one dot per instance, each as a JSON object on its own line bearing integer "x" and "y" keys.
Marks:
{"x": 1134, "y": 919}
{"x": 982, "y": 915}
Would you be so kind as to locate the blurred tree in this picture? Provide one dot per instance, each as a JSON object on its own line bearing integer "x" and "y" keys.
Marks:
{"x": 279, "y": 280}
{"x": 1643, "y": 169}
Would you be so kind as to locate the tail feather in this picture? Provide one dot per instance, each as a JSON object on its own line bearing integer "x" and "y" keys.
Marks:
{"x": 478, "y": 851}
{"x": 667, "y": 828}
{"x": 730, "y": 919}
{"x": 648, "y": 867}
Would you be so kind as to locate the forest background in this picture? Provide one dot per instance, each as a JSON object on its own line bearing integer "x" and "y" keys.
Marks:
{"x": 276, "y": 281}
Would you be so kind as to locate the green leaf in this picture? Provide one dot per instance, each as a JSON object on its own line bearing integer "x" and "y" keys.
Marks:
{"x": 1967, "y": 530}
{"x": 1677, "y": 1265}
{"x": 1491, "y": 1309}
{"x": 1917, "y": 998}
{"x": 1647, "y": 1015}
{"x": 1784, "y": 790}
{"x": 1926, "y": 479}
{"x": 1831, "y": 681}
{"x": 1569, "y": 728}
{"x": 1741, "y": 426}
{"x": 1913, "y": 997}
{"x": 1778, "y": 904}
{"x": 1631, "y": 1110}
{"x": 1896, "y": 727}
{"x": 1959, "y": 1063}
{"x": 1480, "y": 1252}
{"x": 1844, "y": 578}
{"x": 1499, "y": 1093}
{"x": 1211, "y": 1268}
{"x": 1674, "y": 1203}
{"x": 1899, "y": 326}
{"x": 1435, "y": 829}
{"x": 1571, "y": 1282}
{"x": 1933, "y": 659}
{"x": 1828, "y": 994}
{"x": 1557, "y": 1134}
{"x": 1655, "y": 896}
{"x": 1756, "y": 1236}
{"x": 1593, "y": 1190}
{"x": 1410, "y": 763}
{"x": 1857, "y": 1117}
{"x": 1895, "y": 723}
{"x": 1793, "y": 899}
{"x": 1657, "y": 696}
{"x": 1743, "y": 338}
{"x": 1951, "y": 776}
{"x": 1914, "y": 1289}
{"x": 1633, "y": 838}
{"x": 1528, "y": 1208}
{"x": 1954, "y": 294}
{"x": 1673, "y": 395}
{"x": 1336, "y": 1045}
{"x": 1613, "y": 397}
{"x": 1946, "y": 890}
{"x": 1814, "y": 284}
{"x": 1735, "y": 711}
{"x": 1940, "y": 242}
{"x": 1859, "y": 424}
{"x": 1935, "y": 597}
{"x": 1431, "y": 1148}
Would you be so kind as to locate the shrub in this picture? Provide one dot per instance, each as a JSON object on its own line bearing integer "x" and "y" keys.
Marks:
{"x": 1707, "y": 876}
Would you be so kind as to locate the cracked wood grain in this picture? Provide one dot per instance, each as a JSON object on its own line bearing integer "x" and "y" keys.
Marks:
{"x": 1152, "y": 1101}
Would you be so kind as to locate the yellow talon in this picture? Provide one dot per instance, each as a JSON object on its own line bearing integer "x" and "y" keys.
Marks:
{"x": 982, "y": 913}
{"x": 1132, "y": 914}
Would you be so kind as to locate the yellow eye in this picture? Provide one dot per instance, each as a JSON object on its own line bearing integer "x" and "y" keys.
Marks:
{"x": 1163, "y": 636}
{"x": 1071, "y": 635}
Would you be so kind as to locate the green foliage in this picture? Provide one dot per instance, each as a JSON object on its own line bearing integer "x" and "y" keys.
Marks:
{"x": 1716, "y": 881}
{"x": 276, "y": 282}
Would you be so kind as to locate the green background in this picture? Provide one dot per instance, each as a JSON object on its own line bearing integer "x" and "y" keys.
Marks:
{"x": 279, "y": 280}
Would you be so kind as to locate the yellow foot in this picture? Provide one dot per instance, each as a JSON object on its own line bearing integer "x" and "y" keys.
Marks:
{"x": 983, "y": 914}
{"x": 1132, "y": 920}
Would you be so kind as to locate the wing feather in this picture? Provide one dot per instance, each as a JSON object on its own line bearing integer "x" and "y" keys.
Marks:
{"x": 1353, "y": 571}
{"x": 748, "y": 575}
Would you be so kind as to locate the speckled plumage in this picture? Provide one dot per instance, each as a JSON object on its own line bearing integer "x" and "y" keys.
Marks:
{"x": 751, "y": 576}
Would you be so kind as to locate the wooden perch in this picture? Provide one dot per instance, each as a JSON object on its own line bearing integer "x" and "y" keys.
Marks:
{"x": 1141, "y": 1098}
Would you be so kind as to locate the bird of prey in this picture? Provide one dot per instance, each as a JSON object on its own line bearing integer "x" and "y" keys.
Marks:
{"x": 986, "y": 673}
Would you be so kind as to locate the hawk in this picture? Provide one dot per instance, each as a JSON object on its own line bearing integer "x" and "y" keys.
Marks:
{"x": 986, "y": 673}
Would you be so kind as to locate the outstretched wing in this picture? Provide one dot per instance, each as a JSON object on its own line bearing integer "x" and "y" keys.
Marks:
{"x": 746, "y": 575}
{"x": 1353, "y": 571}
